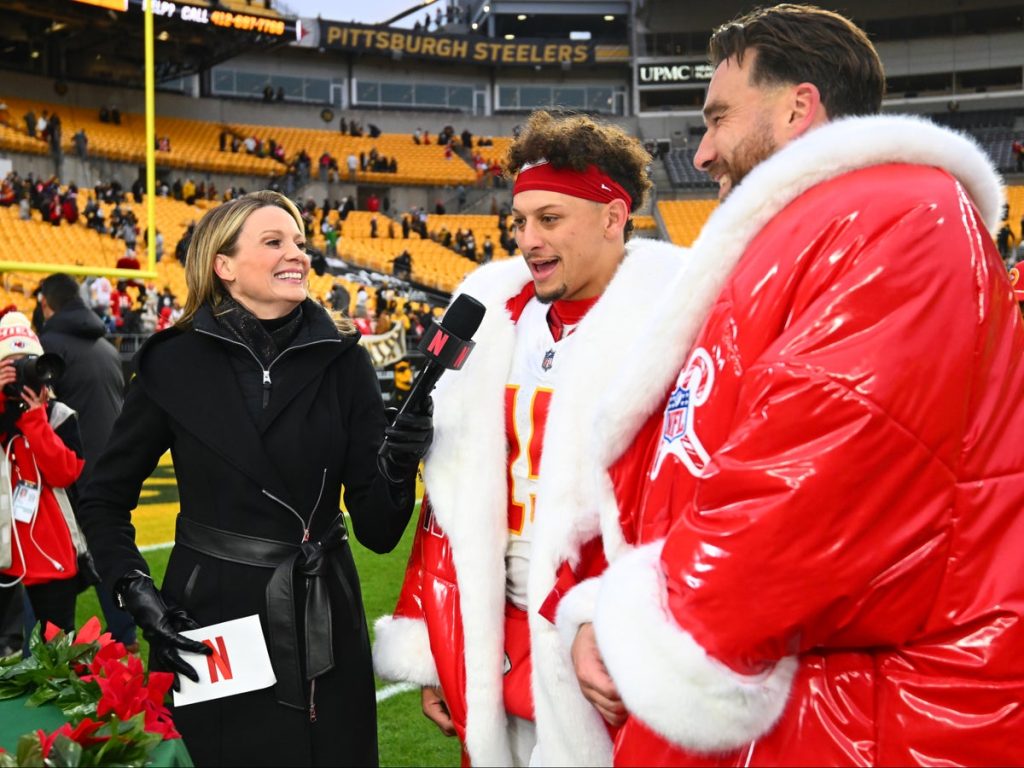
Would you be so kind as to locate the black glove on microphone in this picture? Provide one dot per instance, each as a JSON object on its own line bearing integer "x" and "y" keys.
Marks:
{"x": 136, "y": 593}
{"x": 406, "y": 442}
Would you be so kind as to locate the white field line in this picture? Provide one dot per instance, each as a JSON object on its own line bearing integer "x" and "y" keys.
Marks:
{"x": 394, "y": 689}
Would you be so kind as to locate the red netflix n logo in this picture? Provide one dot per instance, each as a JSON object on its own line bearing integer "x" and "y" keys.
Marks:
{"x": 437, "y": 343}
{"x": 218, "y": 660}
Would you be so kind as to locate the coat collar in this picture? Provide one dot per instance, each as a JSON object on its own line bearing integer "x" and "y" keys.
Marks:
{"x": 188, "y": 375}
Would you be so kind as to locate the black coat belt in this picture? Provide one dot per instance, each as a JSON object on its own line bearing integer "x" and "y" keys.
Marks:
{"x": 309, "y": 559}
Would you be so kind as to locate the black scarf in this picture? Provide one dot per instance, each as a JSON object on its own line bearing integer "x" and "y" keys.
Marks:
{"x": 266, "y": 338}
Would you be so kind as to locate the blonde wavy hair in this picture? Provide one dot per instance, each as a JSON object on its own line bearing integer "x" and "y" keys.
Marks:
{"x": 217, "y": 232}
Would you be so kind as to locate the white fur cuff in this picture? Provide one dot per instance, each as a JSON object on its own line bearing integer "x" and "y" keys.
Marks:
{"x": 576, "y": 608}
{"x": 401, "y": 651}
{"x": 665, "y": 678}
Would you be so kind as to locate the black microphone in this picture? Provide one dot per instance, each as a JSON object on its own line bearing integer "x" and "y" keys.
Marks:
{"x": 446, "y": 346}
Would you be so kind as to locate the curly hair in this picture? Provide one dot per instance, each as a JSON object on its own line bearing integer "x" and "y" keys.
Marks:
{"x": 578, "y": 141}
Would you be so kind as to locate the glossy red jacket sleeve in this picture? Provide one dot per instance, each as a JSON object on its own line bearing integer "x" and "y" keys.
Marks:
{"x": 401, "y": 646}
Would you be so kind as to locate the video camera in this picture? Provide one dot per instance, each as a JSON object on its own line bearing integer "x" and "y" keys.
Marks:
{"x": 34, "y": 372}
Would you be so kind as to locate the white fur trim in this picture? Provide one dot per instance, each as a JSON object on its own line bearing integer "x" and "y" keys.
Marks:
{"x": 464, "y": 474}
{"x": 665, "y": 678}
{"x": 576, "y": 609}
{"x": 569, "y": 730}
{"x": 401, "y": 650}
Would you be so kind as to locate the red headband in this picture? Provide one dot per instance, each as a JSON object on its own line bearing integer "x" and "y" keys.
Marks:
{"x": 590, "y": 184}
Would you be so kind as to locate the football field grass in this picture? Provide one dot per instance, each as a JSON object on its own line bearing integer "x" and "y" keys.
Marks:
{"x": 405, "y": 736}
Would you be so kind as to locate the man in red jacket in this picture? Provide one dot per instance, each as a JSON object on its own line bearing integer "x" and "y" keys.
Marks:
{"x": 814, "y": 470}
{"x": 462, "y": 627}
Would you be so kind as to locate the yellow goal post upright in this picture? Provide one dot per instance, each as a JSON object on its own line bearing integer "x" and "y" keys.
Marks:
{"x": 150, "y": 269}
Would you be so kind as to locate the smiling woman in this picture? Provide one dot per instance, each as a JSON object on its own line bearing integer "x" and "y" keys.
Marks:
{"x": 269, "y": 407}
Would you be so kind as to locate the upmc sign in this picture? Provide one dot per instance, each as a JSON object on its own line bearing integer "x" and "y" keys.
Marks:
{"x": 653, "y": 74}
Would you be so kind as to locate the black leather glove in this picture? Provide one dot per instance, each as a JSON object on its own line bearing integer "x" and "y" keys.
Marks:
{"x": 136, "y": 593}
{"x": 406, "y": 442}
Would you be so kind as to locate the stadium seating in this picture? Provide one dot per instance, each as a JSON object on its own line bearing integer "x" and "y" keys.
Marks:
{"x": 684, "y": 218}
{"x": 195, "y": 146}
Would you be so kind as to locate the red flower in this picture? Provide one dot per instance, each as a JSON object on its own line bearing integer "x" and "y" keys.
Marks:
{"x": 46, "y": 742}
{"x": 83, "y": 732}
{"x": 50, "y": 632}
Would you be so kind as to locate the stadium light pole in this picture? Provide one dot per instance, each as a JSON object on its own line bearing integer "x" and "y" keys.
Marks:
{"x": 150, "y": 141}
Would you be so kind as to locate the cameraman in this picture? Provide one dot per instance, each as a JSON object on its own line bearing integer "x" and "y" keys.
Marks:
{"x": 38, "y": 458}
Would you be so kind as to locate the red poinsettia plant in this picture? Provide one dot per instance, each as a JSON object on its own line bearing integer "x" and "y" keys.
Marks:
{"x": 115, "y": 710}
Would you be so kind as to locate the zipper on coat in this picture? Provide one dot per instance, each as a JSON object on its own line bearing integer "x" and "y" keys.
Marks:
{"x": 312, "y": 700}
{"x": 305, "y": 523}
{"x": 266, "y": 371}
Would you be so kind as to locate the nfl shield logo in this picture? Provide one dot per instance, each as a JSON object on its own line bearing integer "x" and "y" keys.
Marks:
{"x": 549, "y": 360}
{"x": 676, "y": 415}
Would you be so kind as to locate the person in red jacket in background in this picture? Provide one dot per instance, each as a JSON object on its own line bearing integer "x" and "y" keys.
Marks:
{"x": 814, "y": 468}
{"x": 42, "y": 452}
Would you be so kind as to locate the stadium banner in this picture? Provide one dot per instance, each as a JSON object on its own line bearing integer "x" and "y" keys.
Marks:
{"x": 464, "y": 49}
{"x": 275, "y": 26}
{"x": 386, "y": 348}
{"x": 674, "y": 72}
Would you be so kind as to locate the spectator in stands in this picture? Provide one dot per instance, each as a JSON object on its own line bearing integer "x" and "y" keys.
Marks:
{"x": 81, "y": 141}
{"x": 54, "y": 135}
{"x": 104, "y": 114}
{"x": 115, "y": 115}
{"x": 92, "y": 385}
{"x": 42, "y": 123}
{"x": 401, "y": 267}
{"x": 342, "y": 126}
{"x": 279, "y": 96}
{"x": 488, "y": 250}
{"x": 373, "y": 130}
{"x": 188, "y": 191}
{"x": 467, "y": 138}
{"x": 330, "y": 233}
{"x": 69, "y": 205}
{"x": 373, "y": 203}
{"x": 373, "y": 226}
{"x": 338, "y": 298}
{"x": 1004, "y": 242}
{"x": 44, "y": 455}
{"x": 176, "y": 190}
{"x": 268, "y": 92}
{"x": 323, "y": 427}
{"x": 1018, "y": 154}
{"x": 30, "y": 123}
{"x": 181, "y": 248}
{"x": 417, "y": 135}
{"x": 461, "y": 196}
{"x": 235, "y": 143}
{"x": 223, "y": 140}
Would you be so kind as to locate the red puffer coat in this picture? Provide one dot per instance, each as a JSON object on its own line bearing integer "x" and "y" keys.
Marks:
{"x": 821, "y": 489}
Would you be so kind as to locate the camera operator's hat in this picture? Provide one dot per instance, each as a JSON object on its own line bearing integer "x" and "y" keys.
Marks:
{"x": 17, "y": 336}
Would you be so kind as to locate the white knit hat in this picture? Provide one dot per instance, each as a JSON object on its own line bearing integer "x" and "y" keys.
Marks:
{"x": 17, "y": 336}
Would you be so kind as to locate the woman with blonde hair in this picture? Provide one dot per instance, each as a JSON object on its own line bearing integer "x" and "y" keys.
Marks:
{"x": 269, "y": 407}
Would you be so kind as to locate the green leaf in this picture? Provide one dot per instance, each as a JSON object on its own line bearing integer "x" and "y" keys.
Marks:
{"x": 44, "y": 694}
{"x": 30, "y": 751}
{"x": 65, "y": 753}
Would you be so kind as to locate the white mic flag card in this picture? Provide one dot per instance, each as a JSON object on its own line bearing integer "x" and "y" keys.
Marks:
{"x": 239, "y": 663}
